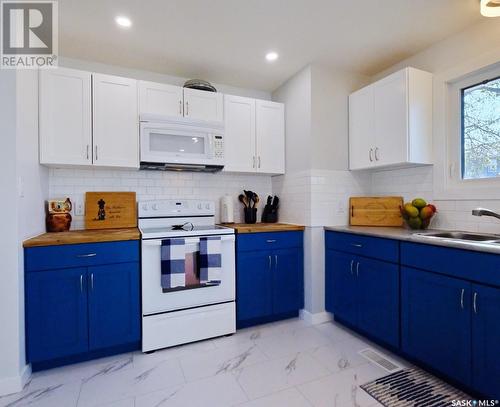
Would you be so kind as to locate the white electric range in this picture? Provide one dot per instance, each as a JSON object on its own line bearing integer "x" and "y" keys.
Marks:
{"x": 194, "y": 312}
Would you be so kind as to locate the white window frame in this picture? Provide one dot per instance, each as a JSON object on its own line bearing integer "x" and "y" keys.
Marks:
{"x": 448, "y": 182}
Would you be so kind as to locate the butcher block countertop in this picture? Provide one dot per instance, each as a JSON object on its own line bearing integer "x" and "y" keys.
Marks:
{"x": 83, "y": 236}
{"x": 263, "y": 227}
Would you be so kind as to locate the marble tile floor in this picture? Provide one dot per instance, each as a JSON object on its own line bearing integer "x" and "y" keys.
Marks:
{"x": 286, "y": 363}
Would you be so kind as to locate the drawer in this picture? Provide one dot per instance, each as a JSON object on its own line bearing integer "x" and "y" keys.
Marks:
{"x": 464, "y": 264}
{"x": 375, "y": 247}
{"x": 80, "y": 255}
{"x": 269, "y": 241}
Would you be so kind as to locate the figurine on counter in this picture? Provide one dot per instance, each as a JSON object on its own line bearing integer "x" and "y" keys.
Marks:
{"x": 58, "y": 217}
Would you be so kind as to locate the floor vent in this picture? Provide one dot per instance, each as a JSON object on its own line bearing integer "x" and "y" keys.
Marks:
{"x": 380, "y": 360}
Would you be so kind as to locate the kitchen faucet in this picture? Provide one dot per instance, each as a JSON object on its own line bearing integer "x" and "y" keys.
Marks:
{"x": 485, "y": 212}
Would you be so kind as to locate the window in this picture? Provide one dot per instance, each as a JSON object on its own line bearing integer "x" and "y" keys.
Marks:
{"x": 481, "y": 130}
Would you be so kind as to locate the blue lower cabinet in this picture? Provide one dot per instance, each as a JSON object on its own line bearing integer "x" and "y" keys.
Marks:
{"x": 436, "y": 322}
{"x": 114, "y": 309}
{"x": 364, "y": 293}
{"x": 341, "y": 297}
{"x": 254, "y": 290}
{"x": 486, "y": 340}
{"x": 84, "y": 311}
{"x": 378, "y": 296}
{"x": 288, "y": 280}
{"x": 269, "y": 277}
{"x": 56, "y": 314}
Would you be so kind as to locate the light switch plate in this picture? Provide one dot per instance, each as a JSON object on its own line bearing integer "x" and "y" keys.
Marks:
{"x": 79, "y": 209}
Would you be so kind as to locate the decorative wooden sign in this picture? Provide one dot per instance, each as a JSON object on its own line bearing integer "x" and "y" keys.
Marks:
{"x": 106, "y": 210}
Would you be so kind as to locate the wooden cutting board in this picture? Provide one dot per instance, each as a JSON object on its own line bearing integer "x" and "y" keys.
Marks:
{"x": 106, "y": 210}
{"x": 375, "y": 211}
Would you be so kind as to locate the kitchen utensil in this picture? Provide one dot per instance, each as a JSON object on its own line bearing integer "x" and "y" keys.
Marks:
{"x": 270, "y": 212}
{"x": 255, "y": 199}
{"x": 199, "y": 84}
{"x": 226, "y": 209}
{"x": 249, "y": 195}
{"x": 104, "y": 210}
{"x": 243, "y": 199}
{"x": 375, "y": 211}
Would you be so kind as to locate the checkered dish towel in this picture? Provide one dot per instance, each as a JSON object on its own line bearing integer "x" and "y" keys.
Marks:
{"x": 210, "y": 260}
{"x": 173, "y": 263}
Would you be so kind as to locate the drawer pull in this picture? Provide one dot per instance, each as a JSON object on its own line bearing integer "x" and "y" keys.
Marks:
{"x": 86, "y": 255}
{"x": 271, "y": 241}
{"x": 356, "y": 245}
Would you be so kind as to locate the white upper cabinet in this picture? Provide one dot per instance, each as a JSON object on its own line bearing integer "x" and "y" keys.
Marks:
{"x": 65, "y": 117}
{"x": 239, "y": 136}
{"x": 270, "y": 130}
{"x": 160, "y": 99}
{"x": 360, "y": 125}
{"x": 390, "y": 122}
{"x": 203, "y": 105}
{"x": 254, "y": 135}
{"x": 116, "y": 122}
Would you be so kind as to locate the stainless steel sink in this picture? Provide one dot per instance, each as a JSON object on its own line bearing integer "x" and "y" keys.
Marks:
{"x": 464, "y": 236}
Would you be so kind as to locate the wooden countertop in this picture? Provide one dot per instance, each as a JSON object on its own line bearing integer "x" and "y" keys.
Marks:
{"x": 263, "y": 227}
{"x": 83, "y": 236}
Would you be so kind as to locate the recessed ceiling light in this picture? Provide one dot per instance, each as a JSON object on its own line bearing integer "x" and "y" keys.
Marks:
{"x": 272, "y": 56}
{"x": 490, "y": 8}
{"x": 123, "y": 21}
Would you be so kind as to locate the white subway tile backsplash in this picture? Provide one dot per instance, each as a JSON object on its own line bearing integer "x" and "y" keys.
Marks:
{"x": 156, "y": 185}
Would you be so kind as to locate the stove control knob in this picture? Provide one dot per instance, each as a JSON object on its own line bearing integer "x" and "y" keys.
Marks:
{"x": 154, "y": 207}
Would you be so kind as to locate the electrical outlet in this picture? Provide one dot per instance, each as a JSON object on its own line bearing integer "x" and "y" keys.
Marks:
{"x": 78, "y": 208}
{"x": 340, "y": 207}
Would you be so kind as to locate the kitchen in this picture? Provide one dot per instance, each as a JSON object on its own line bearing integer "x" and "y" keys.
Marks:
{"x": 305, "y": 309}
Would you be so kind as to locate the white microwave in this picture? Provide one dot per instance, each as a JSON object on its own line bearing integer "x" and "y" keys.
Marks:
{"x": 181, "y": 144}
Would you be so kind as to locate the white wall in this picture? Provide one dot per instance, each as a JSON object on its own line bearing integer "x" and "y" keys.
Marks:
{"x": 458, "y": 50}
{"x": 315, "y": 190}
{"x": 24, "y": 215}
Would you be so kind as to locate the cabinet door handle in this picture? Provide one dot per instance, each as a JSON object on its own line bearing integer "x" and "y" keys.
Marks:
{"x": 259, "y": 161}
{"x": 475, "y": 303}
{"x": 269, "y": 262}
{"x": 276, "y": 260}
{"x": 88, "y": 151}
{"x": 357, "y": 269}
{"x": 81, "y": 283}
{"x": 370, "y": 154}
{"x": 352, "y": 264}
{"x": 180, "y": 107}
{"x": 187, "y": 108}
{"x": 86, "y": 255}
{"x": 253, "y": 165}
{"x": 95, "y": 152}
{"x": 462, "y": 298}
{"x": 376, "y": 153}
{"x": 92, "y": 281}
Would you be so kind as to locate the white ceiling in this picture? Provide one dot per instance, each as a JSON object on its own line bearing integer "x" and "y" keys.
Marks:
{"x": 225, "y": 40}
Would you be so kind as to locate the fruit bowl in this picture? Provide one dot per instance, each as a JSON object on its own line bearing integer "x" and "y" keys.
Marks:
{"x": 418, "y": 214}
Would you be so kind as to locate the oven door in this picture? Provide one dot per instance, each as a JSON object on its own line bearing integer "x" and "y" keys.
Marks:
{"x": 163, "y": 143}
{"x": 155, "y": 300}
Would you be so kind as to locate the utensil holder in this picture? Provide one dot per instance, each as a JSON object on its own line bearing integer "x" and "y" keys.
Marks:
{"x": 250, "y": 215}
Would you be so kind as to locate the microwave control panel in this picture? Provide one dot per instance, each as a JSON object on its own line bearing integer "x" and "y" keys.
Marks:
{"x": 218, "y": 147}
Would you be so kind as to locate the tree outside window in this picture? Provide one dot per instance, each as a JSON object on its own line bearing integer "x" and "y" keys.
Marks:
{"x": 481, "y": 130}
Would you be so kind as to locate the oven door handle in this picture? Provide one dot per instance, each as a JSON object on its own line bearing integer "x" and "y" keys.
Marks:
{"x": 157, "y": 242}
